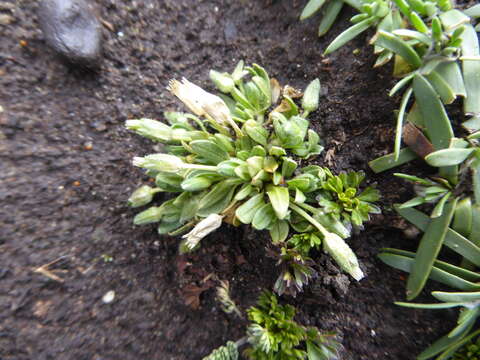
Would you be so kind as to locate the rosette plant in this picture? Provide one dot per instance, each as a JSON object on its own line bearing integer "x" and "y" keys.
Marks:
{"x": 233, "y": 159}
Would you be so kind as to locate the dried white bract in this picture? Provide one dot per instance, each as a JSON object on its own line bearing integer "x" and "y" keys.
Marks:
{"x": 201, "y": 102}
{"x": 211, "y": 223}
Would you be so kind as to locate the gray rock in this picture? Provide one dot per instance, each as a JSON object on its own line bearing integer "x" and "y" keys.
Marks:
{"x": 72, "y": 29}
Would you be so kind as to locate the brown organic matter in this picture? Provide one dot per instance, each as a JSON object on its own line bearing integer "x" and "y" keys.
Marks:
{"x": 60, "y": 199}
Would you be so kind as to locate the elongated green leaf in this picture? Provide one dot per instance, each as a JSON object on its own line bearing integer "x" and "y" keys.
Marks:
{"x": 280, "y": 200}
{"x": 462, "y": 341}
{"x": 462, "y": 220}
{"x": 348, "y": 35}
{"x": 440, "y": 345}
{"x": 452, "y": 19}
{"x": 443, "y": 88}
{"x": 467, "y": 317}
{"x": 436, "y": 119}
{"x": 387, "y": 162}
{"x": 458, "y": 271}
{"x": 411, "y": 34}
{"x": 264, "y": 217}
{"x": 438, "y": 209}
{"x": 471, "y": 70}
{"x": 451, "y": 73}
{"x": 473, "y": 11}
{"x": 246, "y": 211}
{"x": 311, "y": 8}
{"x": 448, "y": 157}
{"x": 453, "y": 240}
{"x": 331, "y": 13}
{"x": 448, "y": 305}
{"x": 209, "y": 151}
{"x": 398, "y": 46}
{"x": 405, "y": 263}
{"x": 460, "y": 297}
{"x": 279, "y": 231}
{"x": 399, "y": 127}
{"x": 428, "y": 250}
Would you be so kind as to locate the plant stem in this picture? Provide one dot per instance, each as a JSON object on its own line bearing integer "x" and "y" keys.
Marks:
{"x": 310, "y": 219}
{"x": 239, "y": 343}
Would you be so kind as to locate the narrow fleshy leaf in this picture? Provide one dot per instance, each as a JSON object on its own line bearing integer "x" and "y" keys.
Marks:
{"x": 399, "y": 127}
{"x": 457, "y": 296}
{"x": 311, "y": 8}
{"x": 453, "y": 240}
{"x": 437, "y": 122}
{"x": 398, "y": 46}
{"x": 348, "y": 35}
{"x": 448, "y": 157}
{"x": 471, "y": 70}
{"x": 330, "y": 15}
{"x": 387, "y": 162}
{"x": 428, "y": 250}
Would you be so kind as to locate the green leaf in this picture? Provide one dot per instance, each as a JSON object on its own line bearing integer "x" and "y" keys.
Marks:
{"x": 279, "y": 231}
{"x": 453, "y": 19}
{"x": 461, "y": 297}
{"x": 398, "y": 46}
{"x": 471, "y": 70}
{"x": 457, "y": 271}
{"x": 451, "y": 73}
{"x": 448, "y": 157}
{"x": 453, "y": 240}
{"x": 288, "y": 167}
{"x": 264, "y": 217}
{"x": 399, "y": 127}
{"x": 311, "y": 8}
{"x": 218, "y": 197}
{"x": 331, "y": 13}
{"x": 462, "y": 220}
{"x": 348, "y": 35}
{"x": 428, "y": 306}
{"x": 209, "y": 151}
{"x": 438, "y": 209}
{"x": 311, "y": 96}
{"x": 427, "y": 251}
{"x": 196, "y": 183}
{"x": 437, "y": 122}
{"x": 256, "y": 131}
{"x": 247, "y": 210}
{"x": 441, "y": 344}
{"x": 280, "y": 199}
{"x": 405, "y": 263}
{"x": 387, "y": 162}
{"x": 442, "y": 87}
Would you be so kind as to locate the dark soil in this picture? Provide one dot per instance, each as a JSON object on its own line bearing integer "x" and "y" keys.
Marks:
{"x": 65, "y": 170}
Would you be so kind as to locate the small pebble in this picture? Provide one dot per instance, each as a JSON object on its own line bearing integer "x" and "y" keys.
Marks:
{"x": 72, "y": 29}
{"x": 6, "y": 19}
{"x": 108, "y": 297}
{"x": 88, "y": 146}
{"x": 76, "y": 183}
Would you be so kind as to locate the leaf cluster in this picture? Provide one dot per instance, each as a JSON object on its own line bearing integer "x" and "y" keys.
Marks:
{"x": 234, "y": 158}
{"x": 274, "y": 334}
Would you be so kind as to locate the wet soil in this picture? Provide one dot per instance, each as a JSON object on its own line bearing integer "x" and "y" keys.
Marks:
{"x": 65, "y": 175}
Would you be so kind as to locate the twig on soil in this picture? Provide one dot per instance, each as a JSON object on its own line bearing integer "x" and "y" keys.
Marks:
{"x": 46, "y": 272}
